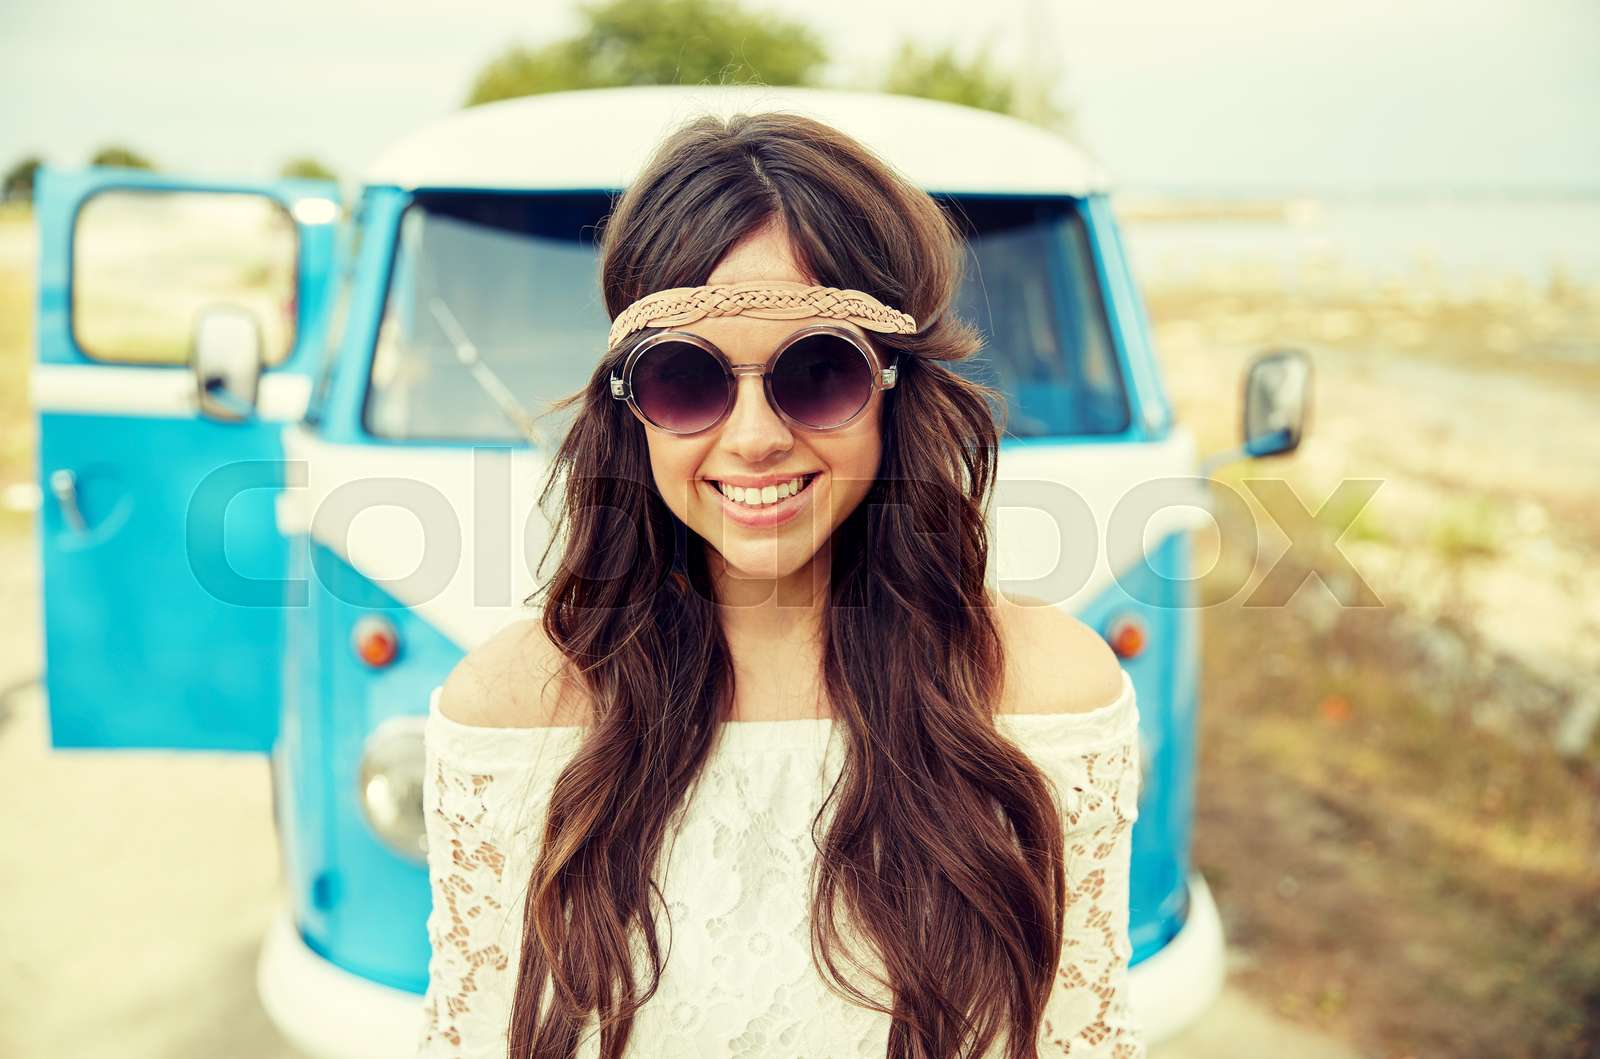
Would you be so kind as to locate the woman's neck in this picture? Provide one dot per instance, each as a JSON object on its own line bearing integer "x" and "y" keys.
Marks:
{"x": 785, "y": 610}
{"x": 774, "y": 631}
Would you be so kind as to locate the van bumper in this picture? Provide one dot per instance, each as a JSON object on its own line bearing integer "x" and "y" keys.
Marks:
{"x": 1172, "y": 988}
{"x": 327, "y": 1012}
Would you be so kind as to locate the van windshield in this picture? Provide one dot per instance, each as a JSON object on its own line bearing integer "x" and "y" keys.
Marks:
{"x": 511, "y": 281}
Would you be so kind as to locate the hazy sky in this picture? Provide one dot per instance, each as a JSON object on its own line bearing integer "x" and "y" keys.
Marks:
{"x": 1169, "y": 93}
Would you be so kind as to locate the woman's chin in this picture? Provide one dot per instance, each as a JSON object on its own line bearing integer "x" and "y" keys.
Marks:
{"x": 770, "y": 560}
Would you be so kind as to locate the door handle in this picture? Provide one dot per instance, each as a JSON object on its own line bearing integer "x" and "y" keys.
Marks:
{"x": 64, "y": 484}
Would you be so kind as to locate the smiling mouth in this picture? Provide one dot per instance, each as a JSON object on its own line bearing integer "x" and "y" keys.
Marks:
{"x": 762, "y": 504}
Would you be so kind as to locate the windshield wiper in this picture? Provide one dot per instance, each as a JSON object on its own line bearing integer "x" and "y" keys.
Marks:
{"x": 482, "y": 374}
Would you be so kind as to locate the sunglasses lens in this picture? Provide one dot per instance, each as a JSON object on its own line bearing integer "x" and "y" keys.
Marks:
{"x": 679, "y": 386}
{"x": 822, "y": 380}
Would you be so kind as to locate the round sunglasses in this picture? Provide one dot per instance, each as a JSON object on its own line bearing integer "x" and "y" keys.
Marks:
{"x": 820, "y": 377}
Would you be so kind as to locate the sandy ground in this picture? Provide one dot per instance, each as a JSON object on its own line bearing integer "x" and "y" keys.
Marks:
{"x": 1486, "y": 467}
{"x": 140, "y": 885}
{"x": 1397, "y": 794}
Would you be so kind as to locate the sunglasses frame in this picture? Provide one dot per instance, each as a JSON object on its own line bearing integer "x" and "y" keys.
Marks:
{"x": 622, "y": 386}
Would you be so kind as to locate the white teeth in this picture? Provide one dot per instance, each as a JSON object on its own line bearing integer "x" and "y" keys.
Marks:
{"x": 767, "y": 494}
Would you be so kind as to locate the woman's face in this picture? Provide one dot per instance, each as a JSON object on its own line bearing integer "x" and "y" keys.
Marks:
{"x": 754, "y": 442}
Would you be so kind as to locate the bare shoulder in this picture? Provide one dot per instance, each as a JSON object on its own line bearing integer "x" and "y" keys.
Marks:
{"x": 1055, "y": 663}
{"x": 515, "y": 679}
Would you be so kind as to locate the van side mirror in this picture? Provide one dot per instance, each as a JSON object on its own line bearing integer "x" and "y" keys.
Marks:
{"x": 1277, "y": 396}
{"x": 226, "y": 358}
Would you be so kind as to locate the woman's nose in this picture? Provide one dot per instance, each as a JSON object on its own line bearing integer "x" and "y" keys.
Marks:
{"x": 754, "y": 429}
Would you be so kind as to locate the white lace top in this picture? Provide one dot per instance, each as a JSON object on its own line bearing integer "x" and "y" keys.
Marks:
{"x": 738, "y": 980}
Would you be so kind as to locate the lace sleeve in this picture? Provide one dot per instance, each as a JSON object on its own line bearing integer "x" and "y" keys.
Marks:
{"x": 482, "y": 785}
{"x": 1088, "y": 1011}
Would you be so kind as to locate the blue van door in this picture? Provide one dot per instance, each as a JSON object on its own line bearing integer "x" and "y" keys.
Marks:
{"x": 164, "y": 572}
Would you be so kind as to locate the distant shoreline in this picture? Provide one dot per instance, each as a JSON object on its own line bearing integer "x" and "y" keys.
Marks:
{"x": 1135, "y": 209}
{"x": 1355, "y": 193}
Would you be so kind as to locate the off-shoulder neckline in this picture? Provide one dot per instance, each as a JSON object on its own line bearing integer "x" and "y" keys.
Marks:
{"x": 1094, "y": 725}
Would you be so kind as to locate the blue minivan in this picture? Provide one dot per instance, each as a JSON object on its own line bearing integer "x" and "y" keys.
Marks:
{"x": 290, "y": 446}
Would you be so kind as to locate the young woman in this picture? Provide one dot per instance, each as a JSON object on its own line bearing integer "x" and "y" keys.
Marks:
{"x": 775, "y": 773}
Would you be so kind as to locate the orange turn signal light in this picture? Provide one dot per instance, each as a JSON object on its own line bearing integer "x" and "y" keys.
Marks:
{"x": 1127, "y": 636}
{"x": 375, "y": 641}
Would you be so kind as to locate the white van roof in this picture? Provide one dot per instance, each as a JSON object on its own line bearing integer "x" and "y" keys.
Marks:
{"x": 599, "y": 138}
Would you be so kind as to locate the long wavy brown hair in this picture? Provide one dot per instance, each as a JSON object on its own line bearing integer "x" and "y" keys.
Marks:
{"x": 945, "y": 848}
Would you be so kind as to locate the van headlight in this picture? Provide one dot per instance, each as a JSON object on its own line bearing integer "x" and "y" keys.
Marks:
{"x": 391, "y": 786}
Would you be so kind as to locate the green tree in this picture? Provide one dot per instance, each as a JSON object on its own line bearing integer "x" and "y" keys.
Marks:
{"x": 658, "y": 42}
{"x": 18, "y": 184}
{"x": 940, "y": 74}
{"x": 122, "y": 157}
{"x": 979, "y": 82}
{"x": 306, "y": 168}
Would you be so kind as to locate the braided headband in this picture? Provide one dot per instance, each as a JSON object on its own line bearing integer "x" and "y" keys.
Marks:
{"x": 767, "y": 299}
